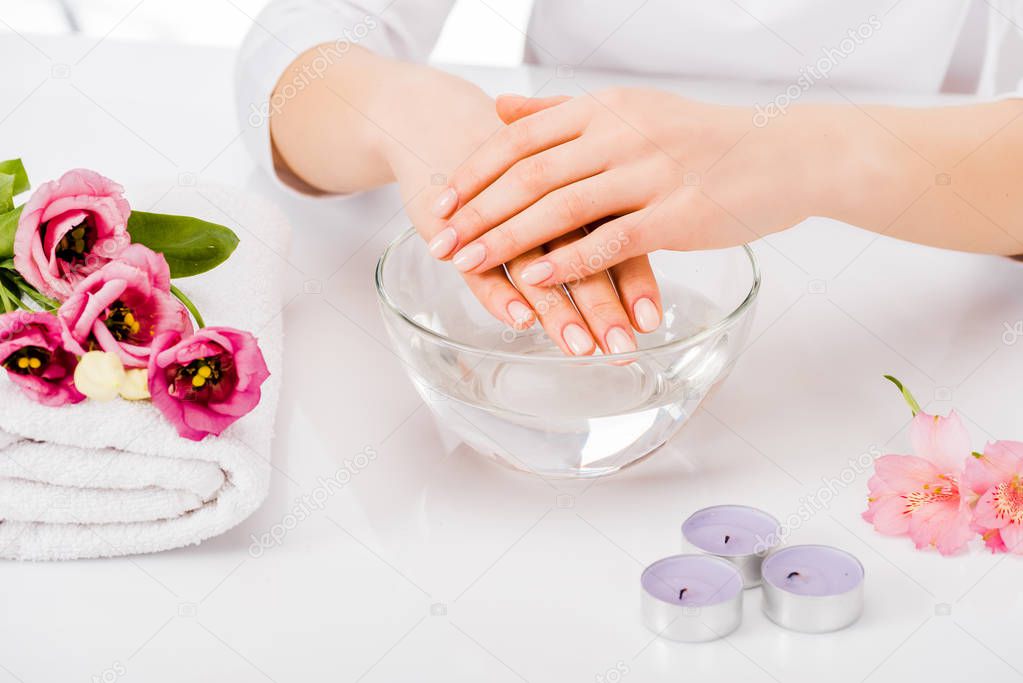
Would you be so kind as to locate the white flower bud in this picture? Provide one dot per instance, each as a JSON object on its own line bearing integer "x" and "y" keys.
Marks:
{"x": 136, "y": 385}
{"x": 99, "y": 375}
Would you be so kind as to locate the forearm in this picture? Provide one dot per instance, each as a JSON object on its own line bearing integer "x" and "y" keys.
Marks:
{"x": 948, "y": 177}
{"x": 369, "y": 118}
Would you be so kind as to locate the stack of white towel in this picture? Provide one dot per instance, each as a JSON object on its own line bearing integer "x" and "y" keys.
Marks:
{"x": 103, "y": 479}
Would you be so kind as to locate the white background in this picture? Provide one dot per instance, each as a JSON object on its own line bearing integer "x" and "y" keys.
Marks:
{"x": 477, "y": 32}
{"x": 437, "y": 565}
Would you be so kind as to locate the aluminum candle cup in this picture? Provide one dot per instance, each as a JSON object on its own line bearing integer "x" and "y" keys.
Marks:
{"x": 691, "y": 598}
{"x": 813, "y": 588}
{"x": 737, "y": 533}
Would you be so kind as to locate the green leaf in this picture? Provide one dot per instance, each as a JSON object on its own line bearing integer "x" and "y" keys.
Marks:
{"x": 6, "y": 192}
{"x": 8, "y": 226}
{"x": 191, "y": 246}
{"x": 15, "y": 168}
{"x": 913, "y": 405}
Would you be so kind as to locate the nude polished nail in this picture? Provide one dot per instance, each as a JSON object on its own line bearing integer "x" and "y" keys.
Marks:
{"x": 619, "y": 341}
{"x": 443, "y": 242}
{"x": 647, "y": 316}
{"x": 520, "y": 313}
{"x": 445, "y": 203}
{"x": 535, "y": 273}
{"x": 577, "y": 339}
{"x": 469, "y": 257}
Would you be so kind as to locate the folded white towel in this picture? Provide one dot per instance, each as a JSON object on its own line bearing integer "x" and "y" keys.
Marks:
{"x": 102, "y": 479}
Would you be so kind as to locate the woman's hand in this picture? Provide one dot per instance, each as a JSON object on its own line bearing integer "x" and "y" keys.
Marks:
{"x": 674, "y": 174}
{"x": 409, "y": 123}
{"x": 593, "y": 312}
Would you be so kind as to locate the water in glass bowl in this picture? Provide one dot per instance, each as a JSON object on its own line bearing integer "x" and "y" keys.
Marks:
{"x": 560, "y": 419}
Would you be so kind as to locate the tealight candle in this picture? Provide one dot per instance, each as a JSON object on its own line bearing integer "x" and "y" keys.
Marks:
{"x": 813, "y": 588}
{"x": 691, "y": 598}
{"x": 737, "y": 533}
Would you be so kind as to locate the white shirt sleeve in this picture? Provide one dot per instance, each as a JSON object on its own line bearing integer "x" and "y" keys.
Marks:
{"x": 1004, "y": 43}
{"x": 406, "y": 29}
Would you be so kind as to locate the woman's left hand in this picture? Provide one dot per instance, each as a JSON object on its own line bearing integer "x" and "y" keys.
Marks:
{"x": 674, "y": 174}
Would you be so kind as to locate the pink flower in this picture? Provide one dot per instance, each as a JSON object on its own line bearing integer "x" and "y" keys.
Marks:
{"x": 32, "y": 353}
{"x": 68, "y": 229}
{"x": 918, "y": 495}
{"x": 123, "y": 307}
{"x": 206, "y": 382}
{"x": 997, "y": 478}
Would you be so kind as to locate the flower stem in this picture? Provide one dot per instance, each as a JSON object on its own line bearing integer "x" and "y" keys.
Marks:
{"x": 910, "y": 401}
{"x": 189, "y": 305}
{"x": 11, "y": 295}
{"x": 20, "y": 287}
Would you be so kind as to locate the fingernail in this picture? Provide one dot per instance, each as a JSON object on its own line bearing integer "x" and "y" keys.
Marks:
{"x": 470, "y": 257}
{"x": 443, "y": 242}
{"x": 444, "y": 203}
{"x": 647, "y": 316}
{"x": 619, "y": 341}
{"x": 535, "y": 273}
{"x": 520, "y": 313}
{"x": 578, "y": 340}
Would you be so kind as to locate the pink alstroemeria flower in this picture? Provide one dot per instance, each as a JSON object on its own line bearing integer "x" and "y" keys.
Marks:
{"x": 918, "y": 495}
{"x": 123, "y": 307}
{"x": 69, "y": 229}
{"x": 206, "y": 382}
{"x": 32, "y": 353}
{"x": 996, "y": 476}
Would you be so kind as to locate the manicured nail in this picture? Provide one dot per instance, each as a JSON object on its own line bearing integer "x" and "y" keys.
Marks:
{"x": 619, "y": 341}
{"x": 470, "y": 257}
{"x": 520, "y": 313}
{"x": 443, "y": 205}
{"x": 578, "y": 340}
{"x": 647, "y": 316}
{"x": 443, "y": 242}
{"x": 535, "y": 273}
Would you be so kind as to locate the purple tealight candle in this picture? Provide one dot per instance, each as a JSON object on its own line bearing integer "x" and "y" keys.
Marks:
{"x": 739, "y": 534}
{"x": 691, "y": 598}
{"x": 813, "y": 588}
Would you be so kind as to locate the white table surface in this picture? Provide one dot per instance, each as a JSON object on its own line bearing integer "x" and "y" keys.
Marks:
{"x": 435, "y": 564}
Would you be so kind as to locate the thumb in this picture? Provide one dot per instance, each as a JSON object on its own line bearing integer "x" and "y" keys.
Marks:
{"x": 514, "y": 107}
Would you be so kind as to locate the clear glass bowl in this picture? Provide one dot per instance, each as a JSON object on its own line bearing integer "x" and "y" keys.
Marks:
{"x": 516, "y": 397}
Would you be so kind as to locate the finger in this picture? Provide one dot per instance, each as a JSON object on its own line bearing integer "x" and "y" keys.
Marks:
{"x": 513, "y": 107}
{"x": 501, "y": 298}
{"x": 557, "y": 313}
{"x": 559, "y": 212}
{"x": 639, "y": 293}
{"x": 492, "y": 289}
{"x": 523, "y": 184}
{"x": 610, "y": 244}
{"x": 527, "y": 136}
{"x": 598, "y": 303}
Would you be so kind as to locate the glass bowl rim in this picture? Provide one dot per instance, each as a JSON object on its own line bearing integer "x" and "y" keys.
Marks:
{"x": 616, "y": 358}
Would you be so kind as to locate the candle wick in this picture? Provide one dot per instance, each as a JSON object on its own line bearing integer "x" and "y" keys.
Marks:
{"x": 791, "y": 574}
{"x": 726, "y": 538}
{"x": 682, "y": 593}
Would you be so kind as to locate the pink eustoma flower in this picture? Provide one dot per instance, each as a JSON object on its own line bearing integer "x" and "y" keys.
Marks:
{"x": 69, "y": 229}
{"x": 918, "y": 495}
{"x": 996, "y": 476}
{"x": 204, "y": 383}
{"x": 123, "y": 307}
{"x": 33, "y": 354}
